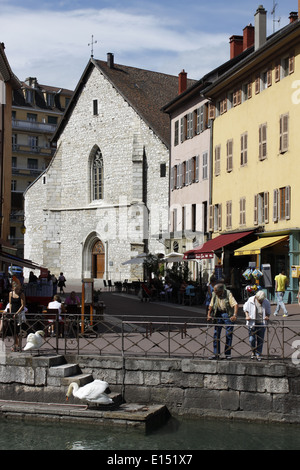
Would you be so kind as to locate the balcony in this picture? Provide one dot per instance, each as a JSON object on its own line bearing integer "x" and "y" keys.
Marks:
{"x": 33, "y": 126}
{"x": 36, "y": 150}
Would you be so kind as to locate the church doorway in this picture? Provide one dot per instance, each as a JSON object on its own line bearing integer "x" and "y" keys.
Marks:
{"x": 98, "y": 260}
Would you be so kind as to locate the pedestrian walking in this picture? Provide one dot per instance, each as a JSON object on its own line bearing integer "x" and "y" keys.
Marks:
{"x": 223, "y": 310}
{"x": 61, "y": 283}
{"x": 281, "y": 283}
{"x": 257, "y": 311}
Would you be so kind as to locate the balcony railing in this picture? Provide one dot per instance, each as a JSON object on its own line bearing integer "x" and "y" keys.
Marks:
{"x": 33, "y": 126}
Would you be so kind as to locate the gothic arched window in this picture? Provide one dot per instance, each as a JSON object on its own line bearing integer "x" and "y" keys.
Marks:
{"x": 97, "y": 175}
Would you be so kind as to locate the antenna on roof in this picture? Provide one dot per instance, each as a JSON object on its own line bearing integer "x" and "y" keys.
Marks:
{"x": 92, "y": 46}
{"x": 273, "y": 13}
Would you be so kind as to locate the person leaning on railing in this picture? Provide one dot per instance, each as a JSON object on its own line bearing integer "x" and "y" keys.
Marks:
{"x": 223, "y": 309}
{"x": 257, "y": 310}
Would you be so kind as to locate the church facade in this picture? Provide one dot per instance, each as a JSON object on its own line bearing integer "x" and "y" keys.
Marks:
{"x": 104, "y": 197}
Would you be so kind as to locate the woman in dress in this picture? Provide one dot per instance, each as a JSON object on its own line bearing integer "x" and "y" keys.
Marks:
{"x": 17, "y": 309}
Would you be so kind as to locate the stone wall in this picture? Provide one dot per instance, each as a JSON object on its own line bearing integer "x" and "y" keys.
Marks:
{"x": 266, "y": 391}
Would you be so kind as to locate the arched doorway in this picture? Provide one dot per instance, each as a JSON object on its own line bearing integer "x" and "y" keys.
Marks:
{"x": 98, "y": 260}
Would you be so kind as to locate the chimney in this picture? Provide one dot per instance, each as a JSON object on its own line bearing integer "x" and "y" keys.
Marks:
{"x": 236, "y": 46}
{"x": 248, "y": 37}
{"x": 293, "y": 16}
{"x": 110, "y": 60}
{"x": 182, "y": 82}
{"x": 260, "y": 27}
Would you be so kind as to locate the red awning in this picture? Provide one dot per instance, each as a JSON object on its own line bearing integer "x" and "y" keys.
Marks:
{"x": 207, "y": 249}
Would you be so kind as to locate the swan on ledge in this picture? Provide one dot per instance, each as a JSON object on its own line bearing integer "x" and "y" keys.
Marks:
{"x": 34, "y": 340}
{"x": 92, "y": 392}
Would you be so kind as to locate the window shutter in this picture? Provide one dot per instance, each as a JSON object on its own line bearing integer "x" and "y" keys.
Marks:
{"x": 275, "y": 205}
{"x": 172, "y": 178}
{"x": 256, "y": 209}
{"x": 277, "y": 72}
{"x": 217, "y": 160}
{"x": 197, "y": 169}
{"x": 266, "y": 207}
{"x": 269, "y": 77}
{"x": 219, "y": 217}
{"x": 288, "y": 202}
{"x": 229, "y": 155}
{"x": 249, "y": 90}
{"x": 257, "y": 85}
{"x": 211, "y": 111}
{"x": 180, "y": 174}
{"x": 284, "y": 133}
{"x": 211, "y": 218}
{"x": 292, "y": 63}
{"x": 262, "y": 141}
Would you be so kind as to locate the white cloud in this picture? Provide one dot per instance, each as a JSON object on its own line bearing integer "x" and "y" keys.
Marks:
{"x": 53, "y": 46}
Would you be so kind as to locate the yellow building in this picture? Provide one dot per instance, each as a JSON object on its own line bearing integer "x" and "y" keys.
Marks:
{"x": 36, "y": 111}
{"x": 255, "y": 183}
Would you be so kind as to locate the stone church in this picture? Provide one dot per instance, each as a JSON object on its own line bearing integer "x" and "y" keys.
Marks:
{"x": 104, "y": 197}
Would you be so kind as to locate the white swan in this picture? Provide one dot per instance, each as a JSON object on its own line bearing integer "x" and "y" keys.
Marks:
{"x": 34, "y": 340}
{"x": 92, "y": 392}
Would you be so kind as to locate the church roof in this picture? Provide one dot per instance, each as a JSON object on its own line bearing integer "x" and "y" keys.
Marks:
{"x": 146, "y": 91}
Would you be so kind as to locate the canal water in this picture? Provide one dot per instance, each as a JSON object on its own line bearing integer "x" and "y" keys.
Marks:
{"x": 177, "y": 434}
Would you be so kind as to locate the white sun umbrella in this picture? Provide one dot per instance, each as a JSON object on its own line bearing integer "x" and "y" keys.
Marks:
{"x": 139, "y": 259}
{"x": 173, "y": 257}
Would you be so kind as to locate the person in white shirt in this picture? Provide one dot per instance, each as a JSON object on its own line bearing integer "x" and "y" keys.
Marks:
{"x": 257, "y": 311}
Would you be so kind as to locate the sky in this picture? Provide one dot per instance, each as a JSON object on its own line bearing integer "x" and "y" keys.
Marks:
{"x": 51, "y": 40}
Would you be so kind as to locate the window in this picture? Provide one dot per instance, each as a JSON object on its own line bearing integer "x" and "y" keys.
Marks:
{"x": 32, "y": 163}
{"x": 52, "y": 120}
{"x": 229, "y": 159}
{"x": 189, "y": 125}
{"x": 242, "y": 211}
{"x": 183, "y": 129}
{"x": 201, "y": 119}
{"x": 194, "y": 218}
{"x": 215, "y": 218}
{"x": 217, "y": 160}
{"x": 282, "y": 204}
{"x": 50, "y": 100}
{"x": 14, "y": 162}
{"x": 29, "y": 96}
{"x": 97, "y": 175}
{"x": 228, "y": 214}
{"x": 31, "y": 117}
{"x": 176, "y": 133}
{"x": 95, "y": 107}
{"x": 244, "y": 149}
{"x": 33, "y": 142}
{"x": 163, "y": 170}
{"x": 284, "y": 133}
{"x": 261, "y": 208}
{"x": 14, "y": 185}
{"x": 262, "y": 141}
{"x": 205, "y": 166}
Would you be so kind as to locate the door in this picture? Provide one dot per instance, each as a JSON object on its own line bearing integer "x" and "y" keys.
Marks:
{"x": 98, "y": 261}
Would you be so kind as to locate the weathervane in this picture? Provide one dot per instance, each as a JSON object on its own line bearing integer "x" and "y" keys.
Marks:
{"x": 92, "y": 46}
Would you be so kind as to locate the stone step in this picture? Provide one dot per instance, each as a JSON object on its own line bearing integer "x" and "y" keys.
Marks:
{"x": 64, "y": 370}
{"x": 80, "y": 379}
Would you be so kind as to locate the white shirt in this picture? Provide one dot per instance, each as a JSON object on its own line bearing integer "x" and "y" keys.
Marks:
{"x": 250, "y": 307}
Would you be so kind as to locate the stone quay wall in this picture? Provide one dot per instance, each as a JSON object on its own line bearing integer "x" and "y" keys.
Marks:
{"x": 257, "y": 391}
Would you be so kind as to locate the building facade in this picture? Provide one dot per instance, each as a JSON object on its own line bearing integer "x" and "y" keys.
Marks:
{"x": 104, "y": 197}
{"x": 255, "y": 153}
{"x": 8, "y": 84}
{"x": 36, "y": 112}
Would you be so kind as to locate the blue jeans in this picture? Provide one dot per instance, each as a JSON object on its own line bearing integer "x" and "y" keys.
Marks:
{"x": 280, "y": 304}
{"x": 256, "y": 337}
{"x": 223, "y": 319}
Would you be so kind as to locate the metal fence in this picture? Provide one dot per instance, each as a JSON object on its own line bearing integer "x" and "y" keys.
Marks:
{"x": 164, "y": 337}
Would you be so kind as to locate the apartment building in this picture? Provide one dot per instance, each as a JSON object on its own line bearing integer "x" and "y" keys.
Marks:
{"x": 255, "y": 188}
{"x": 36, "y": 111}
